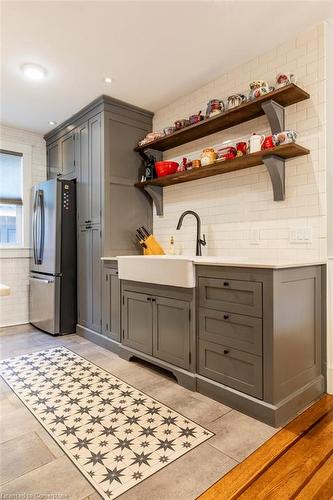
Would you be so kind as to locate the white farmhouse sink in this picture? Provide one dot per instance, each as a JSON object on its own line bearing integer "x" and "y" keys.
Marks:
{"x": 172, "y": 270}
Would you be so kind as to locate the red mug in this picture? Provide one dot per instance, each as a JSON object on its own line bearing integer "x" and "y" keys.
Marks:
{"x": 268, "y": 143}
{"x": 241, "y": 148}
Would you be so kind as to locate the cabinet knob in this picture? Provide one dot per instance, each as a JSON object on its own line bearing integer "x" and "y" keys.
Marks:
{"x": 225, "y": 351}
{"x": 149, "y": 298}
{"x": 226, "y": 316}
{"x": 153, "y": 300}
{"x": 226, "y": 283}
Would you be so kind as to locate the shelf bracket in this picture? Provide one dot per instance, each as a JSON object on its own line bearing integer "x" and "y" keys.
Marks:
{"x": 156, "y": 194}
{"x": 275, "y": 114}
{"x": 276, "y": 169}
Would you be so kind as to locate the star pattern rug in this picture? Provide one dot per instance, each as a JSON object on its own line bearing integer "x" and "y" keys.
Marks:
{"x": 115, "y": 434}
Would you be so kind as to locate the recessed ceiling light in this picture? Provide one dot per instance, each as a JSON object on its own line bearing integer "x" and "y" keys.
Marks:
{"x": 107, "y": 79}
{"x": 51, "y": 122}
{"x": 33, "y": 71}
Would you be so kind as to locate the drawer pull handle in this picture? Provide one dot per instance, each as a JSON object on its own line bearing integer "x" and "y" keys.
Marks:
{"x": 226, "y": 316}
{"x": 153, "y": 300}
{"x": 225, "y": 351}
{"x": 226, "y": 283}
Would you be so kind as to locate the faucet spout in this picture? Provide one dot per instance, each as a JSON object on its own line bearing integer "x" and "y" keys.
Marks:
{"x": 200, "y": 241}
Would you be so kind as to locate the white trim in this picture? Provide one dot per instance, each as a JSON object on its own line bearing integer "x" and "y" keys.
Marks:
{"x": 26, "y": 152}
{"x": 15, "y": 324}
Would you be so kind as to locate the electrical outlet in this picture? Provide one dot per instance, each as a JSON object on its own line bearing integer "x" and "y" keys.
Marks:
{"x": 300, "y": 235}
{"x": 254, "y": 237}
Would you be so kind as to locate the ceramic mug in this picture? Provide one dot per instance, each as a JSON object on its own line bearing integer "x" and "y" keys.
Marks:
{"x": 285, "y": 137}
{"x": 257, "y": 92}
{"x": 256, "y": 142}
{"x": 235, "y": 100}
{"x": 214, "y": 107}
{"x": 268, "y": 142}
{"x": 283, "y": 79}
{"x": 241, "y": 148}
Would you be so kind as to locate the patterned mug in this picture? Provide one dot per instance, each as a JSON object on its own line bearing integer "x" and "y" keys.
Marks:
{"x": 285, "y": 137}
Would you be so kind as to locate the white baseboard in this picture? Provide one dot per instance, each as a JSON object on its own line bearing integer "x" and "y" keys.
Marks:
{"x": 14, "y": 324}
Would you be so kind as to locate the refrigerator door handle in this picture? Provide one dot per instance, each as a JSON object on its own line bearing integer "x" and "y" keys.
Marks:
{"x": 34, "y": 229}
{"x": 41, "y": 226}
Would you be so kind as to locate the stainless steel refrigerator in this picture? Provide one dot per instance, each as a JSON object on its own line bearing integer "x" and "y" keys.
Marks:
{"x": 52, "y": 280}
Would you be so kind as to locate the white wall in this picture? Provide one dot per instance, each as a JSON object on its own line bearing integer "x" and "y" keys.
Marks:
{"x": 233, "y": 204}
{"x": 14, "y": 262}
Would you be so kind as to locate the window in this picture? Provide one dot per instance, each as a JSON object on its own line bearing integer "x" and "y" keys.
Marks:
{"x": 11, "y": 188}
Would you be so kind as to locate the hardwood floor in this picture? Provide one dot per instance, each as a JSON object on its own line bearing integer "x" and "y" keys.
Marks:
{"x": 296, "y": 463}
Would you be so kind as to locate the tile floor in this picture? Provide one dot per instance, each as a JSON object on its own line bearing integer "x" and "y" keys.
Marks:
{"x": 32, "y": 463}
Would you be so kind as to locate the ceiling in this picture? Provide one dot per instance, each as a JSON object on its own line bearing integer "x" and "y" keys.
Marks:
{"x": 154, "y": 51}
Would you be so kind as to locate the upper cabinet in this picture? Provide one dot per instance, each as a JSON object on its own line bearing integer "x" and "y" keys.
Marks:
{"x": 53, "y": 160}
{"x": 94, "y": 167}
{"x": 67, "y": 148}
{"x": 61, "y": 157}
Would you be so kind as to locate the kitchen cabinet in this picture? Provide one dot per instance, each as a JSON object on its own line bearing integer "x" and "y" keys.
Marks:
{"x": 82, "y": 157}
{"x": 53, "y": 160}
{"x": 95, "y": 146}
{"x": 89, "y": 277}
{"x": 89, "y": 176}
{"x": 157, "y": 324}
{"x": 67, "y": 150}
{"x": 111, "y": 304}
{"x": 137, "y": 321}
{"x": 171, "y": 330}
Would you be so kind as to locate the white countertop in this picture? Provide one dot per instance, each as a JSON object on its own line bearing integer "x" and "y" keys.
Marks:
{"x": 230, "y": 261}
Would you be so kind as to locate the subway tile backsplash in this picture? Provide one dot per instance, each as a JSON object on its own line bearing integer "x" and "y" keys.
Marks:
{"x": 232, "y": 206}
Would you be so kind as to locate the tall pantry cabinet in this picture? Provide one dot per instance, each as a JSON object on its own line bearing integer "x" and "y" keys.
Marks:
{"x": 95, "y": 147}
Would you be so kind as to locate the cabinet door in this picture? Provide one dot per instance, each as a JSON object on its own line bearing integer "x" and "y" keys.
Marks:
{"x": 138, "y": 321}
{"x": 53, "y": 160}
{"x": 84, "y": 288}
{"x": 171, "y": 331}
{"x": 68, "y": 155}
{"x": 82, "y": 162}
{"x": 96, "y": 282}
{"x": 95, "y": 156}
{"x": 111, "y": 304}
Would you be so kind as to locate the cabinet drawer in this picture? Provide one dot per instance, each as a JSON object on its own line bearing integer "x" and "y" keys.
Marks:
{"x": 243, "y": 297}
{"x": 234, "y": 330}
{"x": 231, "y": 367}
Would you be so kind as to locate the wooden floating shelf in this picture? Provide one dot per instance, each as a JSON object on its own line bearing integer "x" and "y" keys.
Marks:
{"x": 222, "y": 167}
{"x": 285, "y": 96}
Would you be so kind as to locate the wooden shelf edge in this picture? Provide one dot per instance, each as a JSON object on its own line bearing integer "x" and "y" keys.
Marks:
{"x": 285, "y": 96}
{"x": 285, "y": 152}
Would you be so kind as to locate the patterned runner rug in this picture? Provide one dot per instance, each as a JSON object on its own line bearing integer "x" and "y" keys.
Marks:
{"x": 116, "y": 435}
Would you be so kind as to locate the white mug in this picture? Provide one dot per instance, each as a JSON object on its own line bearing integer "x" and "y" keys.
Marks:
{"x": 255, "y": 143}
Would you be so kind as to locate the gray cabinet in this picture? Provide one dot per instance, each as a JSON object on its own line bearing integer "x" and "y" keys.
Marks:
{"x": 89, "y": 154}
{"x": 95, "y": 155}
{"x": 67, "y": 151}
{"x": 111, "y": 304}
{"x": 89, "y": 277}
{"x": 83, "y": 182}
{"x": 96, "y": 146}
{"x": 158, "y": 324}
{"x": 137, "y": 321}
{"x": 236, "y": 369}
{"x": 171, "y": 330}
{"x": 84, "y": 288}
{"x": 53, "y": 160}
{"x": 243, "y": 297}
